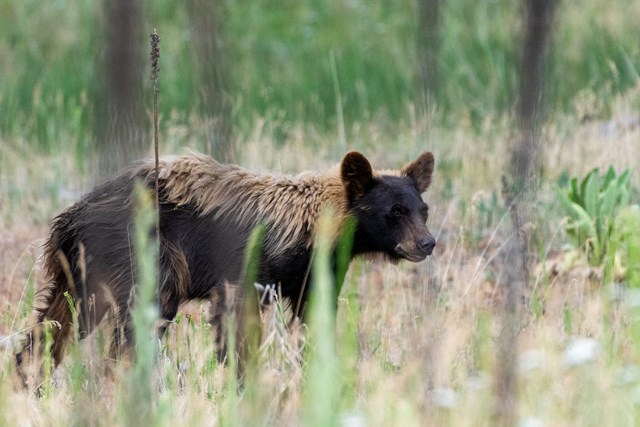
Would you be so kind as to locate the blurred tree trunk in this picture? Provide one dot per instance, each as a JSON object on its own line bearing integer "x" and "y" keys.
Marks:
{"x": 213, "y": 76}
{"x": 520, "y": 194}
{"x": 525, "y": 159}
{"x": 428, "y": 45}
{"x": 120, "y": 128}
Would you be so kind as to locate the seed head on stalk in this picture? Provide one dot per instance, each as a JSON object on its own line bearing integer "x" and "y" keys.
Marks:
{"x": 155, "y": 57}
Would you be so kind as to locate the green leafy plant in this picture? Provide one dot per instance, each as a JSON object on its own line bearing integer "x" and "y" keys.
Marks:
{"x": 627, "y": 243}
{"x": 592, "y": 206}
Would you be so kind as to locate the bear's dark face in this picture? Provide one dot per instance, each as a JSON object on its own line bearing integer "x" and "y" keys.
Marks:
{"x": 391, "y": 215}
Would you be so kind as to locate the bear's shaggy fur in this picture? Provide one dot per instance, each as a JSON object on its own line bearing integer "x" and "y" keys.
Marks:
{"x": 207, "y": 212}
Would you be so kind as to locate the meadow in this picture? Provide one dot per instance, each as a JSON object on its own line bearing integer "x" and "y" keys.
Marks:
{"x": 412, "y": 344}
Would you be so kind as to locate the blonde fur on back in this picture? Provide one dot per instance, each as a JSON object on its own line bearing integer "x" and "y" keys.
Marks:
{"x": 290, "y": 205}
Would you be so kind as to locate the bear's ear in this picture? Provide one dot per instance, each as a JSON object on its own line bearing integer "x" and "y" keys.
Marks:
{"x": 356, "y": 174}
{"x": 420, "y": 170}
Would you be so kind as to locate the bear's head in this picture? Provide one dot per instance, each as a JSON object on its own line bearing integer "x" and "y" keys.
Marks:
{"x": 390, "y": 213}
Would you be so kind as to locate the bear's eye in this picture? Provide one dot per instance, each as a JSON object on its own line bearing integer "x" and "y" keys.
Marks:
{"x": 397, "y": 210}
{"x": 424, "y": 210}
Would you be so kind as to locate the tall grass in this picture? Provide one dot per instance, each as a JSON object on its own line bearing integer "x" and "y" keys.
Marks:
{"x": 414, "y": 344}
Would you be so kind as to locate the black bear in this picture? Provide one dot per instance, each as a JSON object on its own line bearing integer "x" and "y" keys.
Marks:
{"x": 207, "y": 212}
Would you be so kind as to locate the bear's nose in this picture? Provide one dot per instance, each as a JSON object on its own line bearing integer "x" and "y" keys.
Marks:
{"x": 427, "y": 244}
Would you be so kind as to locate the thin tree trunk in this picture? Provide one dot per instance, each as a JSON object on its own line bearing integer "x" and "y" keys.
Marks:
{"x": 120, "y": 130}
{"x": 520, "y": 195}
{"x": 428, "y": 47}
{"x": 212, "y": 76}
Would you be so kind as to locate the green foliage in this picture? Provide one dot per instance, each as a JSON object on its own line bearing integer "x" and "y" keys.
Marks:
{"x": 591, "y": 206}
{"x": 48, "y": 359}
{"x": 139, "y": 398}
{"x": 627, "y": 240}
{"x": 45, "y": 84}
{"x": 280, "y": 57}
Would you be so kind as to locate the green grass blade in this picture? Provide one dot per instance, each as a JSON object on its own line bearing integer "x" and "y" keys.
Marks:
{"x": 323, "y": 384}
{"x": 139, "y": 404}
{"x": 343, "y": 252}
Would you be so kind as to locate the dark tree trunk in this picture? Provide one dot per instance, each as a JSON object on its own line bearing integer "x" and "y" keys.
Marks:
{"x": 212, "y": 76}
{"x": 525, "y": 156}
{"x": 120, "y": 130}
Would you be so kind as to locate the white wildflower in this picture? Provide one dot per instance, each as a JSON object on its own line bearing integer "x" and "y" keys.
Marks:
{"x": 352, "y": 419}
{"x": 580, "y": 351}
{"x": 531, "y": 360}
{"x": 530, "y": 422}
{"x": 445, "y": 397}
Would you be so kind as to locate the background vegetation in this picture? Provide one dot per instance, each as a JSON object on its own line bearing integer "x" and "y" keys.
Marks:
{"x": 305, "y": 81}
{"x": 287, "y": 58}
